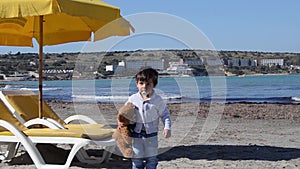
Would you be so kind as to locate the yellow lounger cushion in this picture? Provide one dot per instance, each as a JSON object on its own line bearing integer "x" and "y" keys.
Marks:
{"x": 7, "y": 116}
{"x": 46, "y": 132}
{"x": 84, "y": 127}
{"x": 100, "y": 134}
{"x": 28, "y": 107}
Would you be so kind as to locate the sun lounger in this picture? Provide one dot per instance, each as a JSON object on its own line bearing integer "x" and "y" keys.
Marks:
{"x": 24, "y": 106}
{"x": 12, "y": 131}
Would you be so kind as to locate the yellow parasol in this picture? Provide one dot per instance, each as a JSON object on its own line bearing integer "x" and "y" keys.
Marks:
{"x": 53, "y": 22}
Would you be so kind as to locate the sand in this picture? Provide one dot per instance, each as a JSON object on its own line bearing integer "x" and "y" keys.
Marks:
{"x": 204, "y": 136}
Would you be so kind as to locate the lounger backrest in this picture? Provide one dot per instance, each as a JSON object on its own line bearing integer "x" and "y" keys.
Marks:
{"x": 47, "y": 132}
{"x": 27, "y": 106}
{"x": 6, "y": 115}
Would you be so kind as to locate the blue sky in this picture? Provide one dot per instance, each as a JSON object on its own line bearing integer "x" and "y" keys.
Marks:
{"x": 244, "y": 25}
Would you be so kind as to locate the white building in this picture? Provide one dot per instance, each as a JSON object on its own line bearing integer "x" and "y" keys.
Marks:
{"x": 272, "y": 62}
{"x": 110, "y": 68}
{"x": 115, "y": 68}
{"x": 177, "y": 68}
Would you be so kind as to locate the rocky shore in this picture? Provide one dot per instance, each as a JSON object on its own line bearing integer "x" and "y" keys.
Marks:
{"x": 240, "y": 135}
{"x": 231, "y": 110}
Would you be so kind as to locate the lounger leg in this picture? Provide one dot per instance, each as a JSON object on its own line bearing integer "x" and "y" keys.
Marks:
{"x": 83, "y": 157}
{"x": 4, "y": 146}
{"x": 11, "y": 150}
{"x": 108, "y": 152}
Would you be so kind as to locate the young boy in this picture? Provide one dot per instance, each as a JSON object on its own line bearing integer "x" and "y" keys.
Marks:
{"x": 149, "y": 108}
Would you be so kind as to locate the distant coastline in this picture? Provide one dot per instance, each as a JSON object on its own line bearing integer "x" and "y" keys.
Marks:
{"x": 28, "y": 62}
{"x": 258, "y": 74}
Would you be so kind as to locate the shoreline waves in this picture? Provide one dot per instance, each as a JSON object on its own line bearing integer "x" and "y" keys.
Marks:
{"x": 250, "y": 89}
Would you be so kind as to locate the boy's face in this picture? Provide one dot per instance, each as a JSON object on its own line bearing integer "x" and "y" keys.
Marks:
{"x": 145, "y": 86}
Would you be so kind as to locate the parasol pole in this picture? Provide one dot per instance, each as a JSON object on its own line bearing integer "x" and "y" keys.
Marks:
{"x": 41, "y": 44}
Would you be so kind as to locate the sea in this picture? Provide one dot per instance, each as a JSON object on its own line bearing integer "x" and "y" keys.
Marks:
{"x": 283, "y": 89}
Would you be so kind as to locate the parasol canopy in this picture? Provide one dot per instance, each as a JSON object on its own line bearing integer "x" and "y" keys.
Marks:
{"x": 53, "y": 22}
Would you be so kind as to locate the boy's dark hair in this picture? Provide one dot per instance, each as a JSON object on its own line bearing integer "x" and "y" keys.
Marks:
{"x": 146, "y": 75}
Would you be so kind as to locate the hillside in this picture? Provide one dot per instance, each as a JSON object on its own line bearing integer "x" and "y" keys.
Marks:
{"x": 24, "y": 62}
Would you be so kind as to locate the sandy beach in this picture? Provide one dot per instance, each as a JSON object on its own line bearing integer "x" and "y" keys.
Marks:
{"x": 237, "y": 136}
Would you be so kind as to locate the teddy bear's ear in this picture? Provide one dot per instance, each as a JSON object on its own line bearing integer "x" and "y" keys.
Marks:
{"x": 129, "y": 104}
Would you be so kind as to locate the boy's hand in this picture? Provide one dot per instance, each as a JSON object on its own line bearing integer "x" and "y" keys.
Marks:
{"x": 167, "y": 133}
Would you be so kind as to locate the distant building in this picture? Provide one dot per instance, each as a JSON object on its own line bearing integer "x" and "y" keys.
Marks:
{"x": 177, "y": 68}
{"x": 213, "y": 62}
{"x": 32, "y": 63}
{"x": 155, "y": 64}
{"x": 57, "y": 71}
{"x": 242, "y": 62}
{"x": 293, "y": 67}
{"x": 109, "y": 68}
{"x": 16, "y": 77}
{"x": 115, "y": 68}
{"x": 272, "y": 62}
{"x": 194, "y": 62}
{"x": 122, "y": 63}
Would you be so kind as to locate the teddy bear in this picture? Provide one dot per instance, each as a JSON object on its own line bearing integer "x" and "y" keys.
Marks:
{"x": 122, "y": 135}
